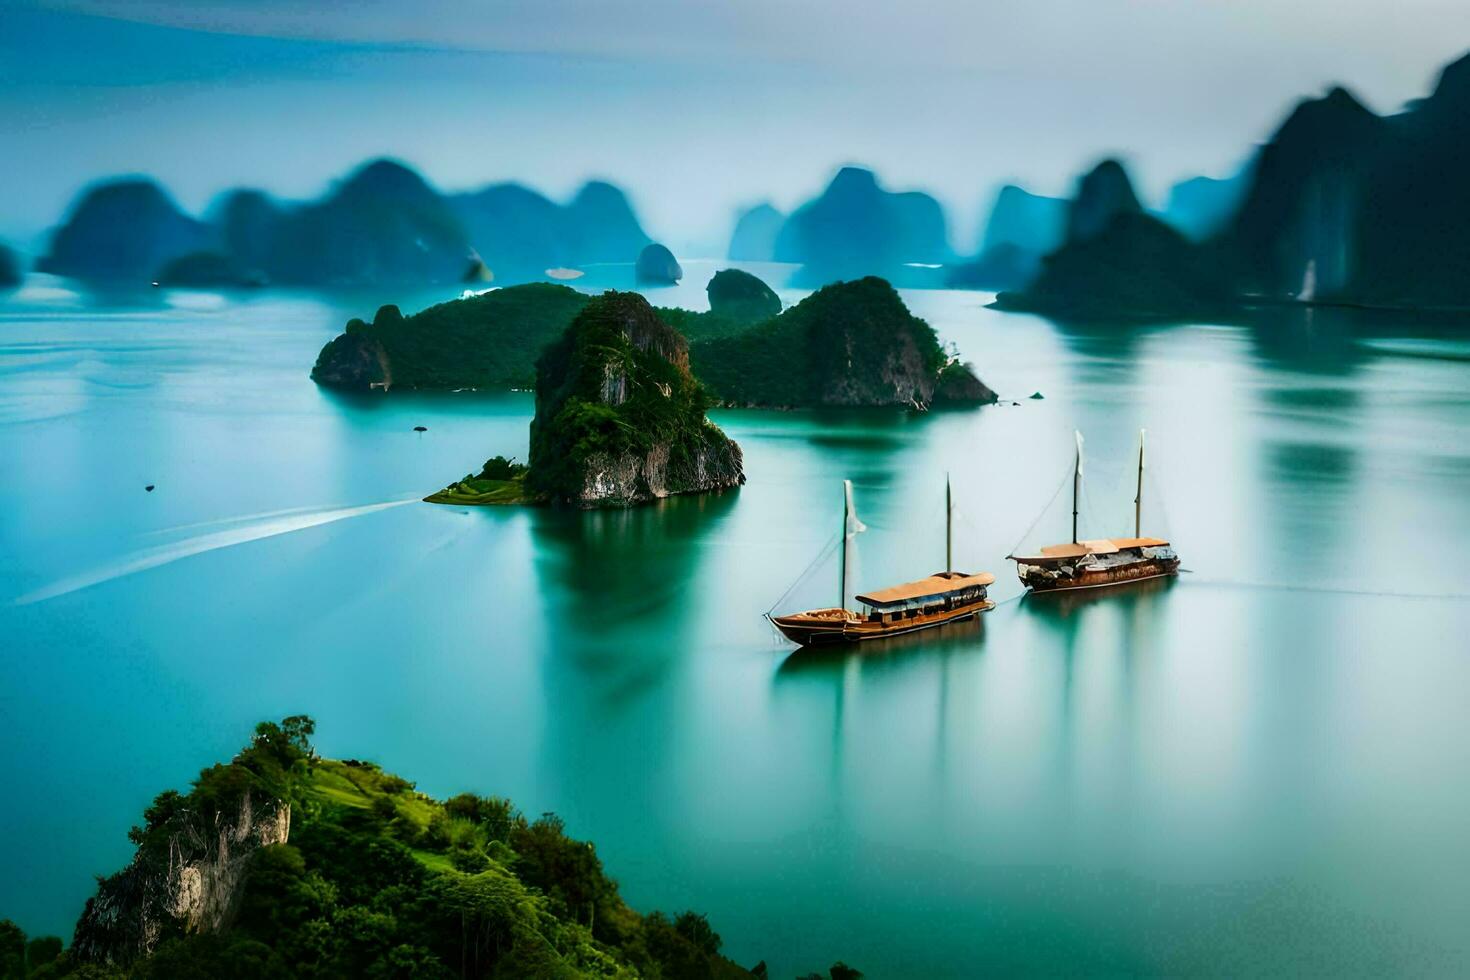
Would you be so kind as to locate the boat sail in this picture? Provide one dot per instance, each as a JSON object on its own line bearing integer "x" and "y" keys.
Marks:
{"x": 1098, "y": 562}
{"x": 944, "y": 597}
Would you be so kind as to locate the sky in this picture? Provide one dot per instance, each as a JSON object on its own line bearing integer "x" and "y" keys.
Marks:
{"x": 697, "y": 108}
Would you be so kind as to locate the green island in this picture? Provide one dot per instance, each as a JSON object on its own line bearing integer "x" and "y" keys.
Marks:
{"x": 281, "y": 863}
{"x": 501, "y": 482}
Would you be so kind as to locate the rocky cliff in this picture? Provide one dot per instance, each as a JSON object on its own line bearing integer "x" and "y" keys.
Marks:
{"x": 741, "y": 296}
{"x": 1102, "y": 193}
{"x": 656, "y": 266}
{"x": 619, "y": 415}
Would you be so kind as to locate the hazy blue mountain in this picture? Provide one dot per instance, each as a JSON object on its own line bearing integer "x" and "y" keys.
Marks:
{"x": 656, "y": 266}
{"x": 1201, "y": 206}
{"x": 1002, "y": 266}
{"x": 10, "y": 272}
{"x": 518, "y": 232}
{"x": 756, "y": 230}
{"x": 122, "y": 230}
{"x": 601, "y": 226}
{"x": 1029, "y": 221}
{"x": 1120, "y": 263}
{"x": 1412, "y": 236}
{"x": 1102, "y": 193}
{"x": 382, "y": 224}
{"x": 855, "y": 227}
{"x": 248, "y": 222}
{"x": 1295, "y": 226}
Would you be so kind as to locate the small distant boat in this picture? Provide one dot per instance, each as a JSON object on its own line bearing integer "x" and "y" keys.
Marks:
{"x": 944, "y": 597}
{"x": 1102, "y": 561}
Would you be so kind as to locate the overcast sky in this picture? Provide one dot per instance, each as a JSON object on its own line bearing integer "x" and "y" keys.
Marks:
{"x": 695, "y": 107}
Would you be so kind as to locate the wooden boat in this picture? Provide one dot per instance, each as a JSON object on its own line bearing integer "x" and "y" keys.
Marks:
{"x": 1098, "y": 562}
{"x": 944, "y": 597}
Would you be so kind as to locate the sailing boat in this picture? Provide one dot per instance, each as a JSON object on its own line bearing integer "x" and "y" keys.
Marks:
{"x": 1104, "y": 561}
{"x": 944, "y": 597}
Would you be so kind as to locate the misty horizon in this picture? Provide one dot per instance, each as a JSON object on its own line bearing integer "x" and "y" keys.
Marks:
{"x": 209, "y": 98}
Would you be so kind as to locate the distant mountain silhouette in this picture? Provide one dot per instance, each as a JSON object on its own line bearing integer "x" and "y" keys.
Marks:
{"x": 1103, "y": 193}
{"x": 756, "y": 230}
{"x": 855, "y": 227}
{"x": 1299, "y": 211}
{"x": 1412, "y": 241}
{"x": 1119, "y": 262}
{"x": 1029, "y": 221}
{"x": 10, "y": 273}
{"x": 381, "y": 224}
{"x": 1200, "y": 207}
{"x": 122, "y": 230}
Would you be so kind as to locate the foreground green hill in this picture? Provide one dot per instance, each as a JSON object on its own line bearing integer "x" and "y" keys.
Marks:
{"x": 283, "y": 864}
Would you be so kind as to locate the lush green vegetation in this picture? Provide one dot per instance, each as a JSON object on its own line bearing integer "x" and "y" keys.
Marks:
{"x": 502, "y": 481}
{"x": 486, "y": 341}
{"x": 376, "y": 880}
{"x": 849, "y": 343}
{"x": 615, "y": 388}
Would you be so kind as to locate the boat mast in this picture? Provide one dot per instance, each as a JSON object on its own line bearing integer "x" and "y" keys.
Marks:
{"x": 842, "y": 549}
{"x": 948, "y": 526}
{"x": 1138, "y": 497}
{"x": 1076, "y": 486}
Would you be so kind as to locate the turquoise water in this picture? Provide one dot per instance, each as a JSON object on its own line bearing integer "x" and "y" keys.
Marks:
{"x": 1263, "y": 766}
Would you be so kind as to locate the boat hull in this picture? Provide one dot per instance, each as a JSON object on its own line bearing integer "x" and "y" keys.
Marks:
{"x": 810, "y": 631}
{"x": 1103, "y": 578}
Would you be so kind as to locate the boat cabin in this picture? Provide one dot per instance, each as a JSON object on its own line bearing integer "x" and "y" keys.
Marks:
{"x": 939, "y": 593}
{"x": 1058, "y": 554}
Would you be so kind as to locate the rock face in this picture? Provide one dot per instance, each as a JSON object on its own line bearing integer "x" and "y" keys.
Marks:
{"x": 1299, "y": 211}
{"x": 850, "y": 343}
{"x": 190, "y": 884}
{"x": 122, "y": 231}
{"x": 9, "y": 269}
{"x": 741, "y": 296}
{"x": 754, "y": 238}
{"x": 1412, "y": 232}
{"x": 620, "y": 417}
{"x": 1104, "y": 192}
{"x": 486, "y": 341}
{"x": 857, "y": 228}
{"x": 657, "y": 266}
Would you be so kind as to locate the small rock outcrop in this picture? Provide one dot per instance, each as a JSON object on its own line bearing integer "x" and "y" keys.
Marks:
{"x": 741, "y": 296}
{"x": 619, "y": 415}
{"x": 657, "y": 266}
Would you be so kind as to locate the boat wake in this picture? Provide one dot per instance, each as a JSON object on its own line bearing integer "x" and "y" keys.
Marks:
{"x": 265, "y": 526}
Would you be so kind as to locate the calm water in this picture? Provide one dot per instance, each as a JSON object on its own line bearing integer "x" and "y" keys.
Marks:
{"x": 1263, "y": 766}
